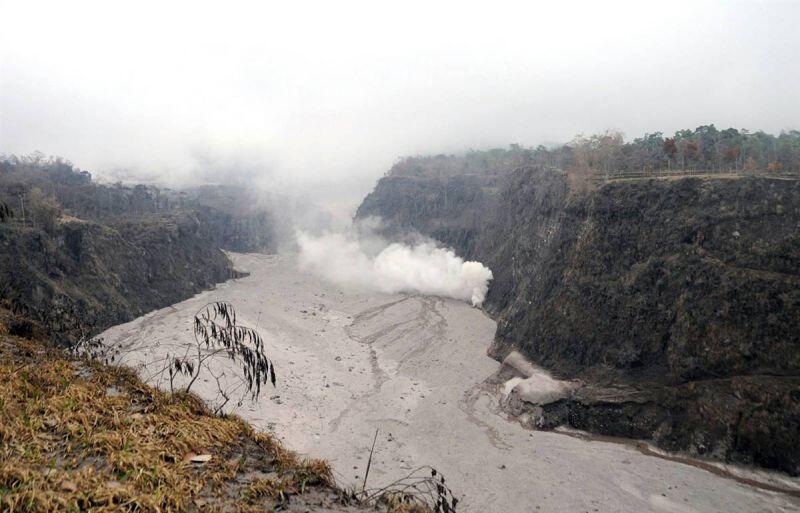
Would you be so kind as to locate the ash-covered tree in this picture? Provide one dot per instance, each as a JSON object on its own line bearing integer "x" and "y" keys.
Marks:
{"x": 217, "y": 333}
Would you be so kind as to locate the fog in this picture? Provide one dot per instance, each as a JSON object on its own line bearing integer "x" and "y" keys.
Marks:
{"x": 321, "y": 98}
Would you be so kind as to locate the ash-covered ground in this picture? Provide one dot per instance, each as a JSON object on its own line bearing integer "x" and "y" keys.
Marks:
{"x": 415, "y": 368}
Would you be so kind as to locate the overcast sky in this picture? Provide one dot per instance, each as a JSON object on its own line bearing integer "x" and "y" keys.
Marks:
{"x": 327, "y": 95}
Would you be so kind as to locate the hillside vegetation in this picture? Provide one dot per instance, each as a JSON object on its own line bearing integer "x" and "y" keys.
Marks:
{"x": 76, "y": 435}
{"x": 42, "y": 189}
{"x": 705, "y": 148}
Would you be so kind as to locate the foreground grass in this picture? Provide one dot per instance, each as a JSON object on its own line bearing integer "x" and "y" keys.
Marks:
{"x": 79, "y": 436}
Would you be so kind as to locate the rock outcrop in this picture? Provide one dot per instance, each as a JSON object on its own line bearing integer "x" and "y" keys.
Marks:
{"x": 78, "y": 257}
{"x": 83, "y": 277}
{"x": 675, "y": 301}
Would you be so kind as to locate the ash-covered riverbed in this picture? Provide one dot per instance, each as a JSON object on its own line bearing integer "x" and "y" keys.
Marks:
{"x": 414, "y": 368}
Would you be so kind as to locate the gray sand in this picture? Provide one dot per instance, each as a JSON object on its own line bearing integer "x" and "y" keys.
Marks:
{"x": 349, "y": 362}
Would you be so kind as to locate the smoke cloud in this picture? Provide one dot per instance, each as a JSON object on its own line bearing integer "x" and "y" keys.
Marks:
{"x": 372, "y": 264}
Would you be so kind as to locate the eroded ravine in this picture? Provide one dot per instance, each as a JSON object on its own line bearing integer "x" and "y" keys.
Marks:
{"x": 413, "y": 367}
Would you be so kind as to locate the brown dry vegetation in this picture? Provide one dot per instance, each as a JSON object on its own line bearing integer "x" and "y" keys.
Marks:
{"x": 79, "y": 436}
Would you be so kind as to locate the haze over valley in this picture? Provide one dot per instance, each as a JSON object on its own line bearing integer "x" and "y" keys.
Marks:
{"x": 445, "y": 257}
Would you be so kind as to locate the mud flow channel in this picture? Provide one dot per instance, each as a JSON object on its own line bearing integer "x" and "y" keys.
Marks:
{"x": 413, "y": 367}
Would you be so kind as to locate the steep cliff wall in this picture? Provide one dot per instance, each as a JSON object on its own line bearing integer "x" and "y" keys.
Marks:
{"x": 683, "y": 294}
{"x": 82, "y": 277}
{"x": 687, "y": 279}
{"x": 78, "y": 257}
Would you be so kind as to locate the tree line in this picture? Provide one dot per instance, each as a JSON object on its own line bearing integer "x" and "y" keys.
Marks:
{"x": 41, "y": 190}
{"x": 705, "y": 148}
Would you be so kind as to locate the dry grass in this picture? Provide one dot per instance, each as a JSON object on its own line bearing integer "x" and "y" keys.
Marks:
{"x": 79, "y": 436}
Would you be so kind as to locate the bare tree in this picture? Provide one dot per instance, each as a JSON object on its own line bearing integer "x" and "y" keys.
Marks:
{"x": 216, "y": 332}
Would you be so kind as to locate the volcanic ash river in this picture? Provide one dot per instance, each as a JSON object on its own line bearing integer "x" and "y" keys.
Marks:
{"x": 413, "y": 367}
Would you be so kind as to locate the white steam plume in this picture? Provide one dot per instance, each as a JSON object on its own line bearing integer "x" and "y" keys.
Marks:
{"x": 422, "y": 268}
